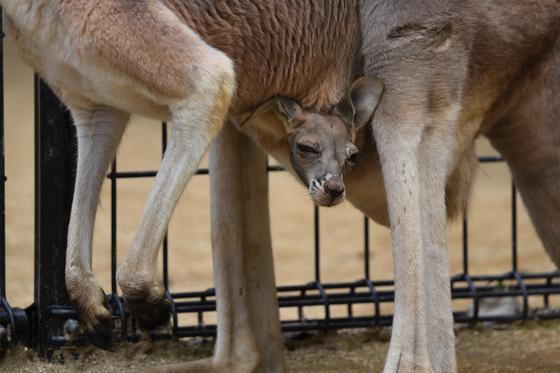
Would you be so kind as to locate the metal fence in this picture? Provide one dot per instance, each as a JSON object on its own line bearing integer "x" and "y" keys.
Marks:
{"x": 42, "y": 324}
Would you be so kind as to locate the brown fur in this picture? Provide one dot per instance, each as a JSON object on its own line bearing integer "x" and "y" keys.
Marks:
{"x": 128, "y": 36}
{"x": 265, "y": 39}
{"x": 454, "y": 70}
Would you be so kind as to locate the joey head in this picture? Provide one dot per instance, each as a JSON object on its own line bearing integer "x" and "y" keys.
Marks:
{"x": 321, "y": 144}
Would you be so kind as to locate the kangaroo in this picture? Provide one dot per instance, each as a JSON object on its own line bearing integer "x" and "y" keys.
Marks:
{"x": 452, "y": 70}
{"x": 194, "y": 69}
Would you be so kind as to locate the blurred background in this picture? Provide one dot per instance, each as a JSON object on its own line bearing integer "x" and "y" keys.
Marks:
{"x": 291, "y": 209}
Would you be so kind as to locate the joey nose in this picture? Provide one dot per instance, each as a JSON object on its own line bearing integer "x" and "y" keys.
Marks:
{"x": 334, "y": 188}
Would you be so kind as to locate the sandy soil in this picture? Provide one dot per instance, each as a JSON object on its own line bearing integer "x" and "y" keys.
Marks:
{"x": 530, "y": 347}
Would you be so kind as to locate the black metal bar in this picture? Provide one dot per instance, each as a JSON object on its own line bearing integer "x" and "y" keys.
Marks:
{"x": 174, "y": 313}
{"x": 54, "y": 181}
{"x": 165, "y": 238}
{"x": 317, "y": 244}
{"x": 132, "y": 174}
{"x": 2, "y": 176}
{"x": 490, "y": 159}
{"x": 349, "y": 310}
{"x": 113, "y": 227}
{"x": 366, "y": 248}
{"x": 513, "y": 228}
{"x": 465, "y": 244}
{"x": 546, "y": 297}
{"x": 145, "y": 174}
{"x": 474, "y": 295}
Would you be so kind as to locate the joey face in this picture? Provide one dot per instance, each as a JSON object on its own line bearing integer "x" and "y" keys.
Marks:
{"x": 321, "y": 149}
{"x": 320, "y": 144}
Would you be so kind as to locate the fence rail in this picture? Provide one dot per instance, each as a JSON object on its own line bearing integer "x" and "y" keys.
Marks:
{"x": 3, "y": 302}
{"x": 42, "y": 324}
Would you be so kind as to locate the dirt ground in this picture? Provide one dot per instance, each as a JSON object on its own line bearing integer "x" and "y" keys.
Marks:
{"x": 529, "y": 347}
{"x": 292, "y": 222}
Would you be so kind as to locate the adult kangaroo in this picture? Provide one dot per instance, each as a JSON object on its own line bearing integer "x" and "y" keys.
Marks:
{"x": 452, "y": 70}
{"x": 193, "y": 63}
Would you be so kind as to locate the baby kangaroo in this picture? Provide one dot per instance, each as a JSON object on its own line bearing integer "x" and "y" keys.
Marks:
{"x": 320, "y": 144}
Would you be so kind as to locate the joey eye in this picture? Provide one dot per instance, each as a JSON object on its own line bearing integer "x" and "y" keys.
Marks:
{"x": 306, "y": 149}
{"x": 353, "y": 159}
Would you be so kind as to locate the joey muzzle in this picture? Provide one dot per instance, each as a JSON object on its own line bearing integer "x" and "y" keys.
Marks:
{"x": 327, "y": 190}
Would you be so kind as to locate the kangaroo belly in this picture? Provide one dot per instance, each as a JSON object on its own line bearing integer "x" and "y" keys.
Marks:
{"x": 301, "y": 49}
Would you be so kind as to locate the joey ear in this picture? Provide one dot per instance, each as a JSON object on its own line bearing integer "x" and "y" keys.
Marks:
{"x": 288, "y": 110}
{"x": 358, "y": 105}
{"x": 283, "y": 108}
